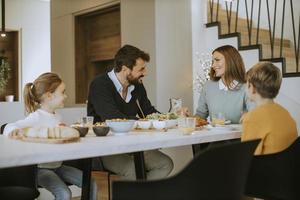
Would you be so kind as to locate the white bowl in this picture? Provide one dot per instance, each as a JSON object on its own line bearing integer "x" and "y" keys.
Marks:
{"x": 144, "y": 124}
{"x": 120, "y": 126}
{"x": 171, "y": 123}
{"x": 159, "y": 124}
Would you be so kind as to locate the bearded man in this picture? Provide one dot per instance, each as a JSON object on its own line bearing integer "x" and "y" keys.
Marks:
{"x": 121, "y": 94}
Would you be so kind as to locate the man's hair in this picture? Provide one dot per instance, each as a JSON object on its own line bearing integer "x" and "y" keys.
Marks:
{"x": 127, "y": 56}
{"x": 234, "y": 65}
{"x": 265, "y": 78}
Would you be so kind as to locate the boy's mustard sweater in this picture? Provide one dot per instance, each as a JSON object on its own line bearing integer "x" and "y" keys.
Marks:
{"x": 273, "y": 125}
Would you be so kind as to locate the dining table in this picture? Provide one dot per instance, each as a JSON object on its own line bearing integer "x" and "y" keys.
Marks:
{"x": 15, "y": 153}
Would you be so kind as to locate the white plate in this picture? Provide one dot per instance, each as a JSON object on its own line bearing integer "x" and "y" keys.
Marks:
{"x": 231, "y": 127}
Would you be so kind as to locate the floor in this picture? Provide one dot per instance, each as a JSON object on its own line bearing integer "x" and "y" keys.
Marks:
{"x": 102, "y": 183}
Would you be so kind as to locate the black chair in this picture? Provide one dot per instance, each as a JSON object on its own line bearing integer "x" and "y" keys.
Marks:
{"x": 276, "y": 176}
{"x": 2, "y": 128}
{"x": 18, "y": 183}
{"x": 217, "y": 173}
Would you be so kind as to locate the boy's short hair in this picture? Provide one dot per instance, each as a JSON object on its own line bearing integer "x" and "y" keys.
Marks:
{"x": 266, "y": 79}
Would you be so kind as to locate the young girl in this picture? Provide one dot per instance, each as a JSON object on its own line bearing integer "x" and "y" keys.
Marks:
{"x": 42, "y": 98}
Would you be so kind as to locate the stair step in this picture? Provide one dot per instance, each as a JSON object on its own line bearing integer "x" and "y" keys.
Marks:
{"x": 286, "y": 52}
{"x": 290, "y": 65}
{"x": 263, "y": 37}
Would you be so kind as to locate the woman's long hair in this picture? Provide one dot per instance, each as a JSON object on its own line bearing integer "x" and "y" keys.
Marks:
{"x": 34, "y": 92}
{"x": 234, "y": 66}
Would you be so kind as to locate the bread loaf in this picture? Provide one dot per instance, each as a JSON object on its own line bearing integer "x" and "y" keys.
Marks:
{"x": 51, "y": 133}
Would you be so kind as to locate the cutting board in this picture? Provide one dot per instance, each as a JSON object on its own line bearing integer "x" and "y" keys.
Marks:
{"x": 149, "y": 130}
{"x": 50, "y": 141}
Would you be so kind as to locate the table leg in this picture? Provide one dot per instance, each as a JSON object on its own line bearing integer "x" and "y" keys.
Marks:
{"x": 86, "y": 179}
{"x": 197, "y": 148}
{"x": 139, "y": 163}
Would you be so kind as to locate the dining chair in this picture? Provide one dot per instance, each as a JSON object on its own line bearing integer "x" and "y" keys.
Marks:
{"x": 19, "y": 183}
{"x": 2, "y": 128}
{"x": 277, "y": 175}
{"x": 216, "y": 173}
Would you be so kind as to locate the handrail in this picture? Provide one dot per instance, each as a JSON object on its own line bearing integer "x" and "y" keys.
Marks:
{"x": 253, "y": 11}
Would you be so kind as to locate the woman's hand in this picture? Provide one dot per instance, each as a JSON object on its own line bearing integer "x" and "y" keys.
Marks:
{"x": 17, "y": 134}
{"x": 243, "y": 114}
{"x": 184, "y": 111}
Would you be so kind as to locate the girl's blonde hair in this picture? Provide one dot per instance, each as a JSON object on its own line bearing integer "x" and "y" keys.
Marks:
{"x": 33, "y": 92}
{"x": 234, "y": 66}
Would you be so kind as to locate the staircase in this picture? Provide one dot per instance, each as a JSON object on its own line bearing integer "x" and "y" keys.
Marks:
{"x": 230, "y": 24}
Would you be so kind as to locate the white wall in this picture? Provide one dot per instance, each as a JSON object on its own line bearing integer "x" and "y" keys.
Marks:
{"x": 288, "y": 95}
{"x": 138, "y": 29}
{"x": 173, "y": 52}
{"x": 32, "y": 19}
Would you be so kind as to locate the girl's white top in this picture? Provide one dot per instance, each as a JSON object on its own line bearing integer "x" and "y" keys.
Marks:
{"x": 39, "y": 118}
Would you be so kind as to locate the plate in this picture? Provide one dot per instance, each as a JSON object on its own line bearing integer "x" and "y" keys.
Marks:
{"x": 51, "y": 140}
{"x": 231, "y": 127}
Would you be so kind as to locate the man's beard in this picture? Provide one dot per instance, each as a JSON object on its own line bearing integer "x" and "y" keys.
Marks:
{"x": 134, "y": 81}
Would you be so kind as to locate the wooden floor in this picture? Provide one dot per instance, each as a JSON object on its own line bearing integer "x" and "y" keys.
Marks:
{"x": 102, "y": 183}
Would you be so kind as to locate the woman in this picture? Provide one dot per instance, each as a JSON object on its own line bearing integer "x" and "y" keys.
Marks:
{"x": 224, "y": 94}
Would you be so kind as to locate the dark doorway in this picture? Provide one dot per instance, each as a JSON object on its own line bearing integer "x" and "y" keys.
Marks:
{"x": 97, "y": 39}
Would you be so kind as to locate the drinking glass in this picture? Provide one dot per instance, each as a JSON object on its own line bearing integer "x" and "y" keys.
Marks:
{"x": 218, "y": 119}
{"x": 187, "y": 124}
{"x": 87, "y": 121}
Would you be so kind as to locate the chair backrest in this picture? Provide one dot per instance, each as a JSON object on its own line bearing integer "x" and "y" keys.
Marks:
{"x": 2, "y": 128}
{"x": 276, "y": 176}
{"x": 218, "y": 173}
{"x": 24, "y": 176}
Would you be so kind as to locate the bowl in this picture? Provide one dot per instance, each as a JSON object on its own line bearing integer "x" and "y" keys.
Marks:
{"x": 144, "y": 124}
{"x": 171, "y": 123}
{"x": 82, "y": 130}
{"x": 101, "y": 130}
{"x": 159, "y": 124}
{"x": 120, "y": 126}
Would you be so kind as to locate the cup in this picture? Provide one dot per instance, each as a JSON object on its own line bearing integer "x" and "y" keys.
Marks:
{"x": 218, "y": 119}
{"x": 87, "y": 121}
{"x": 187, "y": 124}
{"x": 9, "y": 98}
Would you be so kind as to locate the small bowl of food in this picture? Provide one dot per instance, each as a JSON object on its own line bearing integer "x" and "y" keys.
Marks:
{"x": 120, "y": 126}
{"x": 100, "y": 129}
{"x": 159, "y": 124}
{"x": 144, "y": 124}
{"x": 83, "y": 130}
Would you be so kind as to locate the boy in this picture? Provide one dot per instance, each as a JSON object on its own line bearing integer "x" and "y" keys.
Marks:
{"x": 268, "y": 121}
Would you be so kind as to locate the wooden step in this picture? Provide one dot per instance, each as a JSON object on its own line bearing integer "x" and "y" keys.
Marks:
{"x": 286, "y": 52}
{"x": 263, "y": 37}
{"x": 291, "y": 65}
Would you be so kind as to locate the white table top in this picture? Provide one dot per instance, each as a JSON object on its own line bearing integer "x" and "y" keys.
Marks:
{"x": 18, "y": 153}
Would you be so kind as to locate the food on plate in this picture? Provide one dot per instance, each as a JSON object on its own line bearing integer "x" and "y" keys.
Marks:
{"x": 200, "y": 122}
{"x": 100, "y": 124}
{"x": 117, "y": 120}
{"x": 143, "y": 119}
{"x": 162, "y": 116}
{"x": 59, "y": 132}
